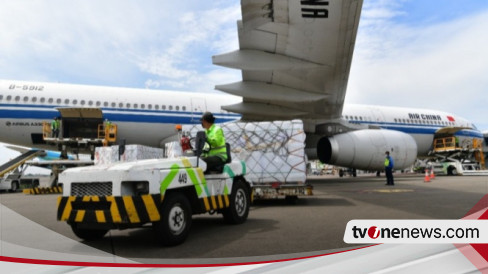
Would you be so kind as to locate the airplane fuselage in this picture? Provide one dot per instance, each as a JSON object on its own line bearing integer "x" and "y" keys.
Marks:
{"x": 148, "y": 117}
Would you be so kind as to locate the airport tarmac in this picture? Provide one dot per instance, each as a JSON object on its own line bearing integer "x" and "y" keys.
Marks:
{"x": 274, "y": 230}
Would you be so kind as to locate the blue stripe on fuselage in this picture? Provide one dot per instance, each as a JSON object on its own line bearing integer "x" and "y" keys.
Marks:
{"x": 180, "y": 117}
{"x": 166, "y": 117}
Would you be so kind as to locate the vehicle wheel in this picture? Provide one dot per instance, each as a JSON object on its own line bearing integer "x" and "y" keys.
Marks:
{"x": 354, "y": 173}
{"x": 240, "y": 201}
{"x": 341, "y": 173}
{"x": 35, "y": 184}
{"x": 451, "y": 171}
{"x": 175, "y": 223}
{"x": 88, "y": 234}
{"x": 14, "y": 186}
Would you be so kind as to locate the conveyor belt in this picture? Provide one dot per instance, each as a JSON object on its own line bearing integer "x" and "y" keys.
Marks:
{"x": 14, "y": 163}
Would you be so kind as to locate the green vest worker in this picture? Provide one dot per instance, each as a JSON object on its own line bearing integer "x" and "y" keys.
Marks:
{"x": 55, "y": 125}
{"x": 217, "y": 155}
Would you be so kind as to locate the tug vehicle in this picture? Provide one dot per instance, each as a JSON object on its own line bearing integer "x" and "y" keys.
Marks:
{"x": 164, "y": 192}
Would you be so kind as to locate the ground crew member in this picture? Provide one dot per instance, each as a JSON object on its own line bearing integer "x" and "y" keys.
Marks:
{"x": 389, "y": 169}
{"x": 55, "y": 125}
{"x": 217, "y": 154}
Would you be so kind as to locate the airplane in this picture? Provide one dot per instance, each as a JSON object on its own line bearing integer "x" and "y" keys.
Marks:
{"x": 295, "y": 58}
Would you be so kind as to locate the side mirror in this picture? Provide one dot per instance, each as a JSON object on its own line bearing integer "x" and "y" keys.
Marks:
{"x": 200, "y": 142}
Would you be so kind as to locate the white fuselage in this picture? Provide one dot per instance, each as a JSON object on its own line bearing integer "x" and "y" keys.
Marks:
{"x": 148, "y": 117}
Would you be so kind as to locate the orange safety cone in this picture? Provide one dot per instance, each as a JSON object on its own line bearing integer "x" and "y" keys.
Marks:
{"x": 432, "y": 175}
{"x": 427, "y": 177}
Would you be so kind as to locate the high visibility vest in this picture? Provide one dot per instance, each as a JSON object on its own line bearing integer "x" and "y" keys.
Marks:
{"x": 216, "y": 139}
{"x": 388, "y": 162}
{"x": 55, "y": 124}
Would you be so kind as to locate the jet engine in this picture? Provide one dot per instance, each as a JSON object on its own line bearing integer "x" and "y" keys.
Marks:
{"x": 365, "y": 149}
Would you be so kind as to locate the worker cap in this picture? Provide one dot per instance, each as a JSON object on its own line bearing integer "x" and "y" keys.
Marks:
{"x": 207, "y": 116}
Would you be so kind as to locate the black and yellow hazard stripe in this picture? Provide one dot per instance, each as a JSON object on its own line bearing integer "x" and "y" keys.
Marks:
{"x": 109, "y": 209}
{"x": 215, "y": 202}
{"x": 44, "y": 190}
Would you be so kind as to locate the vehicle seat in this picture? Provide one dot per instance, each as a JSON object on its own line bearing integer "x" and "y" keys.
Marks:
{"x": 220, "y": 168}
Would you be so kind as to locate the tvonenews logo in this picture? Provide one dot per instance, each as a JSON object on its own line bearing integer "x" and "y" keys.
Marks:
{"x": 416, "y": 231}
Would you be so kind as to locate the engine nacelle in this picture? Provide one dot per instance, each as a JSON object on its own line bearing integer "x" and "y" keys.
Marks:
{"x": 365, "y": 149}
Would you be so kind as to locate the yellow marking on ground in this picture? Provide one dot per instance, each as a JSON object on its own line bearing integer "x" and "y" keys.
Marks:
{"x": 397, "y": 190}
{"x": 95, "y": 198}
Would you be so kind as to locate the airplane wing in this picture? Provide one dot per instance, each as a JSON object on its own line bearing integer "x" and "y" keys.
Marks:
{"x": 295, "y": 58}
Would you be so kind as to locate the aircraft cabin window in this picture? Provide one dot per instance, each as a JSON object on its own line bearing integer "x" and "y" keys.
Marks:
{"x": 26, "y": 99}
{"x": 1, "y": 97}
{"x": 50, "y": 101}
{"x": 135, "y": 105}
{"x": 184, "y": 108}
{"x": 127, "y": 105}
{"x": 98, "y": 103}
{"x": 177, "y": 108}
{"x": 395, "y": 120}
{"x": 82, "y": 102}
{"x": 90, "y": 103}
{"x": 66, "y": 101}
{"x": 34, "y": 99}
{"x": 163, "y": 107}
{"x": 170, "y": 107}
{"x": 143, "y": 106}
{"x": 9, "y": 98}
{"x": 105, "y": 104}
{"x": 121, "y": 105}
{"x": 75, "y": 102}
{"x": 113, "y": 104}
{"x": 156, "y": 107}
{"x": 58, "y": 101}
{"x": 17, "y": 98}
{"x": 149, "y": 106}
{"x": 43, "y": 100}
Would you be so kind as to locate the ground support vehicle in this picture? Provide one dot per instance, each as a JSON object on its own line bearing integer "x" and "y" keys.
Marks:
{"x": 164, "y": 192}
{"x": 453, "y": 158}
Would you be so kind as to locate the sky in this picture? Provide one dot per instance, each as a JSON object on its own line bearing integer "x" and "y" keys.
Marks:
{"x": 410, "y": 53}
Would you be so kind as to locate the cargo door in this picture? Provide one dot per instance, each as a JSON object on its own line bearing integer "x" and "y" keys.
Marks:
{"x": 80, "y": 122}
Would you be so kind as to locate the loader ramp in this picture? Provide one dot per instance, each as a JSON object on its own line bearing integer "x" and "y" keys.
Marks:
{"x": 18, "y": 161}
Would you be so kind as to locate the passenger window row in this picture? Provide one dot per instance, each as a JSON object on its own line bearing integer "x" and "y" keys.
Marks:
{"x": 92, "y": 103}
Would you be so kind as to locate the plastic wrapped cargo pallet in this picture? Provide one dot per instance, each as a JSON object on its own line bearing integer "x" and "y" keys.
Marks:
{"x": 273, "y": 151}
{"x": 109, "y": 155}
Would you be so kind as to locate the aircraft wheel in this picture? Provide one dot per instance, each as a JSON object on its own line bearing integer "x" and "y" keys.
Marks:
{"x": 240, "y": 201}
{"x": 175, "y": 223}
